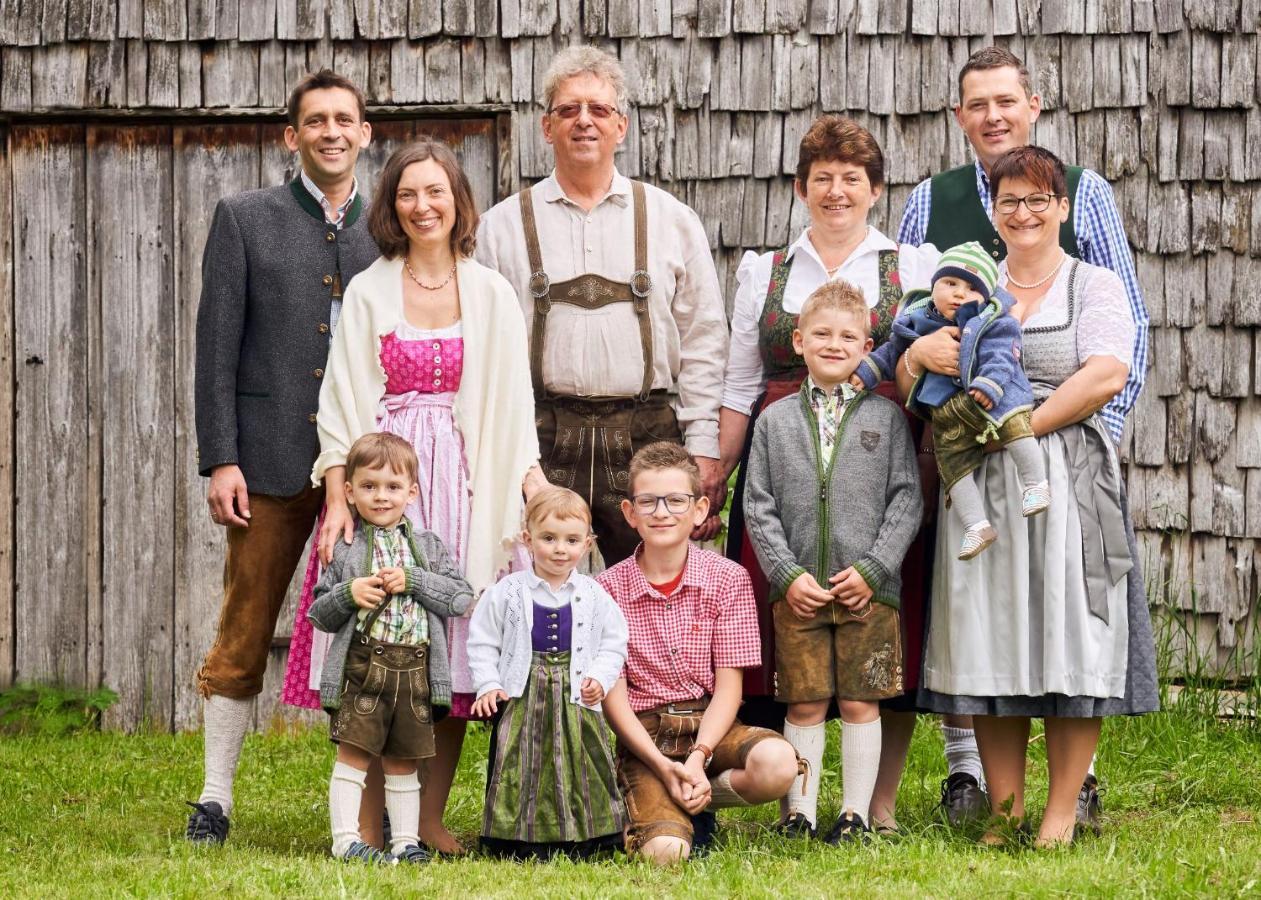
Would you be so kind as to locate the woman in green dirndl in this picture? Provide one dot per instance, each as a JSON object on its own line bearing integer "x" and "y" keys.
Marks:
{"x": 840, "y": 178}
{"x": 544, "y": 647}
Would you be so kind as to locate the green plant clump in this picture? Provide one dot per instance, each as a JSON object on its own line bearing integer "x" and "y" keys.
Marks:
{"x": 52, "y": 710}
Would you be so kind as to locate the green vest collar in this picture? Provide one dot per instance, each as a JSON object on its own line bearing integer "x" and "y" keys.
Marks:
{"x": 312, "y": 206}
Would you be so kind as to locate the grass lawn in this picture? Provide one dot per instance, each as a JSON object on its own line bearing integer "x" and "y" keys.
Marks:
{"x": 101, "y": 815}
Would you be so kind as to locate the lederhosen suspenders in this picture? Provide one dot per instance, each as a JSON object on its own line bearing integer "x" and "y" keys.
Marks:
{"x": 588, "y": 291}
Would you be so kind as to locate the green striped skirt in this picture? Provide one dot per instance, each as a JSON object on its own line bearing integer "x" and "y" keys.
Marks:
{"x": 551, "y": 774}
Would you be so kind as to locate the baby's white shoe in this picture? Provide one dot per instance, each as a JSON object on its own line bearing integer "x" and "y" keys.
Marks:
{"x": 978, "y": 536}
{"x": 1035, "y": 499}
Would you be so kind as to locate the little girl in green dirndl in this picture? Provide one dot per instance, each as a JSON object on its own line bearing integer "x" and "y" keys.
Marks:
{"x": 544, "y": 647}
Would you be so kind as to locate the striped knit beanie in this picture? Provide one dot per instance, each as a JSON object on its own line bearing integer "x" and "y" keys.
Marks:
{"x": 971, "y": 263}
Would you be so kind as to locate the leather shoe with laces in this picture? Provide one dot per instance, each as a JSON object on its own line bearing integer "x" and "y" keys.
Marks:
{"x": 796, "y": 826}
{"x": 207, "y": 824}
{"x": 849, "y": 829}
{"x": 1088, "y": 806}
{"x": 963, "y": 800}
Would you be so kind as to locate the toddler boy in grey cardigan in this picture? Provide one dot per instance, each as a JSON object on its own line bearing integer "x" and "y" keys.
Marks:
{"x": 386, "y": 596}
{"x": 832, "y": 502}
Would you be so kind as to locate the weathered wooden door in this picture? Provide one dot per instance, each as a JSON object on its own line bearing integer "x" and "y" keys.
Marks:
{"x": 117, "y": 570}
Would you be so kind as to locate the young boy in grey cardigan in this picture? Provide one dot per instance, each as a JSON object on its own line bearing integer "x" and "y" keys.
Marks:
{"x": 386, "y": 596}
{"x": 832, "y": 502}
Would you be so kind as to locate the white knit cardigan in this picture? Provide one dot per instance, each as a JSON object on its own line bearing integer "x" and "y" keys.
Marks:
{"x": 494, "y": 406}
{"x": 499, "y": 640}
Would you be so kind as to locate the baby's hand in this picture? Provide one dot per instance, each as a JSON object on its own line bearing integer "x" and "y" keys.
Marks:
{"x": 856, "y": 383}
{"x": 393, "y": 580}
{"x": 366, "y": 591}
{"x": 984, "y": 401}
{"x": 592, "y": 692}
{"x": 488, "y": 703}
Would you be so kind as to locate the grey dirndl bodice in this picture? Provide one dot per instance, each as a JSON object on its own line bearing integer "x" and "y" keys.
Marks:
{"x": 1050, "y": 355}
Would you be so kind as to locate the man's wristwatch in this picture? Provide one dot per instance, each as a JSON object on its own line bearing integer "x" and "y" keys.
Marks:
{"x": 706, "y": 752}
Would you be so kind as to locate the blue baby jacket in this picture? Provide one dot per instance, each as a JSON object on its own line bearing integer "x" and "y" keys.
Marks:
{"x": 989, "y": 355}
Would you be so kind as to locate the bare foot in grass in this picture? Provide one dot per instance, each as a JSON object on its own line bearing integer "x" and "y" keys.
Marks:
{"x": 437, "y": 837}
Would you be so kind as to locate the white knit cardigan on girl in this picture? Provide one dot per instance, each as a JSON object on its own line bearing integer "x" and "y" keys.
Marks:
{"x": 494, "y": 406}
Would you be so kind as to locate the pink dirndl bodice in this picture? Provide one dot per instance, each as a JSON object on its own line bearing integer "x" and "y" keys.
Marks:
{"x": 422, "y": 370}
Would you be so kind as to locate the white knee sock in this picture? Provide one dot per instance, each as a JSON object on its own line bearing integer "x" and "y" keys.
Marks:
{"x": 808, "y": 741}
{"x": 1091, "y": 770}
{"x": 722, "y": 794}
{"x": 226, "y": 721}
{"x": 345, "y": 793}
{"x": 961, "y": 752}
{"x": 860, "y": 764}
{"x": 402, "y": 802}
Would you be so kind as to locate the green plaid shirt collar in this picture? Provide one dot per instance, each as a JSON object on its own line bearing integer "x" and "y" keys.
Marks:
{"x": 829, "y": 407}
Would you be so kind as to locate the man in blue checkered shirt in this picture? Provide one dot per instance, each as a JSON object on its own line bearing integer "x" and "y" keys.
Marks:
{"x": 996, "y": 113}
{"x": 997, "y": 109}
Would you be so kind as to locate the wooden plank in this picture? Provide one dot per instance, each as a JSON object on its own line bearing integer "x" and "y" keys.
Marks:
{"x": 1219, "y": 287}
{"x": 1191, "y": 145}
{"x": 1150, "y": 429}
{"x": 833, "y": 66}
{"x": 768, "y": 140}
{"x": 654, "y": 18}
{"x": 51, "y": 404}
{"x": 407, "y": 72}
{"x": 786, "y": 16}
{"x": 857, "y": 54}
{"x": 1206, "y": 70}
{"x": 229, "y": 73}
{"x": 8, "y": 386}
{"x": 472, "y": 72}
{"x": 804, "y": 74}
{"x": 1006, "y": 17}
{"x": 1204, "y": 360}
{"x": 91, "y": 20}
{"x": 796, "y": 124}
{"x": 1106, "y": 54}
{"x": 726, "y": 87}
{"x": 696, "y": 72}
{"x": 1239, "y": 70}
{"x": 907, "y": 67}
{"x": 1170, "y": 232}
{"x": 713, "y": 18}
{"x": 1184, "y": 296}
{"x": 755, "y": 73}
{"x": 130, "y": 241}
{"x": 753, "y": 213}
{"x": 1246, "y": 302}
{"x": 442, "y": 71}
{"x": 1122, "y": 155}
{"x": 164, "y": 74}
{"x": 730, "y": 205}
{"x": 1236, "y": 222}
{"x": 209, "y": 162}
{"x": 497, "y": 71}
{"x": 59, "y": 76}
{"x": 1206, "y": 206}
{"x": 595, "y": 16}
{"x": 459, "y": 17}
{"x": 137, "y": 72}
{"x": 227, "y": 19}
{"x": 538, "y": 18}
{"x": 1236, "y": 367}
{"x": 1168, "y": 364}
{"x": 1181, "y": 415}
{"x": 749, "y": 18}
{"x": 200, "y": 16}
{"x": 1079, "y": 72}
{"x": 1091, "y": 134}
{"x": 781, "y": 71}
{"x": 52, "y": 21}
{"x": 167, "y": 20}
{"x": 190, "y": 75}
{"x": 924, "y": 17}
{"x": 880, "y": 76}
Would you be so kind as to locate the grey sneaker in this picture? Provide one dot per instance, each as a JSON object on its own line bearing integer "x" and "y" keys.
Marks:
{"x": 1088, "y": 806}
{"x": 963, "y": 800}
{"x": 207, "y": 824}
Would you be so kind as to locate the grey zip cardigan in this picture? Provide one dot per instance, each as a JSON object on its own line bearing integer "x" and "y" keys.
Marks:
{"x": 434, "y": 581}
{"x": 863, "y": 510}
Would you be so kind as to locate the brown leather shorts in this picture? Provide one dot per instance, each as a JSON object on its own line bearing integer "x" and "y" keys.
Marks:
{"x": 385, "y": 707}
{"x": 673, "y": 727}
{"x": 837, "y": 653}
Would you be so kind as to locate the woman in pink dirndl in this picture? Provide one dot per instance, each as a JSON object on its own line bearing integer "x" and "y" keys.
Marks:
{"x": 430, "y": 346}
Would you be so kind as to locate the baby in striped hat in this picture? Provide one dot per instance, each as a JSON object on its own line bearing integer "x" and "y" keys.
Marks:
{"x": 988, "y": 400}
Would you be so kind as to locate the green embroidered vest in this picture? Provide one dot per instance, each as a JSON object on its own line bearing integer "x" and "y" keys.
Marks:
{"x": 956, "y": 214}
{"x": 775, "y": 327}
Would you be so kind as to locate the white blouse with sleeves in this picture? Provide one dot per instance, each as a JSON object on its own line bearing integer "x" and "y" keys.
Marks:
{"x": 745, "y": 380}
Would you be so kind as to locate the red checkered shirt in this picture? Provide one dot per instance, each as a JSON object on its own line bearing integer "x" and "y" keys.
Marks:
{"x": 676, "y": 642}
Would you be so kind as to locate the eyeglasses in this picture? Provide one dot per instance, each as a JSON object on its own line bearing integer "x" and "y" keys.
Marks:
{"x": 573, "y": 110}
{"x": 1036, "y": 203}
{"x": 676, "y": 504}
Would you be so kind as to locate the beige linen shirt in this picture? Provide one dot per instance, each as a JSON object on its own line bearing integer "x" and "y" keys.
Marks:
{"x": 597, "y": 353}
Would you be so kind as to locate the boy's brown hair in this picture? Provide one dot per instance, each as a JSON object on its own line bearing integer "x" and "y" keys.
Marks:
{"x": 381, "y": 450}
{"x": 556, "y": 501}
{"x": 840, "y": 296}
{"x": 318, "y": 81}
{"x": 664, "y": 455}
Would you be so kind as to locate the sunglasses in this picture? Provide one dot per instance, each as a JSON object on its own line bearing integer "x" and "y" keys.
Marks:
{"x": 573, "y": 110}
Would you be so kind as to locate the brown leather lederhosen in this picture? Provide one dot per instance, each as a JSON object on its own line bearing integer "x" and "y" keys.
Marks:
{"x": 586, "y": 442}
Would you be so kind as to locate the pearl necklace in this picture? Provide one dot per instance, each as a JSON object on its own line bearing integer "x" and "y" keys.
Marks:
{"x": 430, "y": 287}
{"x": 1041, "y": 281}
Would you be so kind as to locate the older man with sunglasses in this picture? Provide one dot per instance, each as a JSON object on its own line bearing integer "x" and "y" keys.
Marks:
{"x": 627, "y": 328}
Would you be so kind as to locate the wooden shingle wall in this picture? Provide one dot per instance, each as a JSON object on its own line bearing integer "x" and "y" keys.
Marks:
{"x": 1160, "y": 96}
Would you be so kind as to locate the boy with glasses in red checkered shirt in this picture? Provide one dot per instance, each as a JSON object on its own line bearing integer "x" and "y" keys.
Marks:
{"x": 693, "y": 628}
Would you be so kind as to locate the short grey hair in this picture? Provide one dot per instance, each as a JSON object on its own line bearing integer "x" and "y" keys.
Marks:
{"x": 581, "y": 59}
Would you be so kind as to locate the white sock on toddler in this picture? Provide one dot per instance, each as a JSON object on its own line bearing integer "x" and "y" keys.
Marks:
{"x": 860, "y": 764}
{"x": 808, "y": 741}
{"x": 345, "y": 793}
{"x": 962, "y": 754}
{"x": 402, "y": 802}
{"x": 226, "y": 721}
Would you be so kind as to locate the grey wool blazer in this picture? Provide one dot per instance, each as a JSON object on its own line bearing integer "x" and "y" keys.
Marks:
{"x": 271, "y": 268}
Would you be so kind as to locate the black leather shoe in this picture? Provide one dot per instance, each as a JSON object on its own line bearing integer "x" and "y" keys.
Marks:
{"x": 796, "y": 826}
{"x": 704, "y": 829}
{"x": 962, "y": 799}
{"x": 849, "y": 829}
{"x": 1088, "y": 807}
{"x": 207, "y": 824}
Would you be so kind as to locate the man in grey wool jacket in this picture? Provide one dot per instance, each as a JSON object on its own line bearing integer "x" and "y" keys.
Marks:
{"x": 275, "y": 264}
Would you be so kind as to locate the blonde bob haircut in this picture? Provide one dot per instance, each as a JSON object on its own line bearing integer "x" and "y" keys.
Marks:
{"x": 559, "y": 502}
{"x": 839, "y": 296}
{"x": 580, "y": 60}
